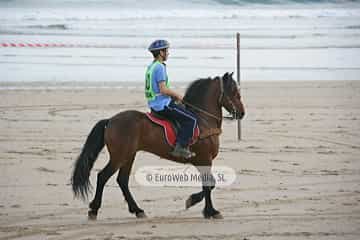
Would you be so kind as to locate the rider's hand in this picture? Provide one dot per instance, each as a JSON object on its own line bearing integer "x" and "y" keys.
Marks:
{"x": 179, "y": 98}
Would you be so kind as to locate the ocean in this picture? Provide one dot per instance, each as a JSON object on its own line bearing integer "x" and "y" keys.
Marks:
{"x": 81, "y": 41}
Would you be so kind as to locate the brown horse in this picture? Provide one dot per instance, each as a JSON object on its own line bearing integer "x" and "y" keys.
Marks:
{"x": 131, "y": 131}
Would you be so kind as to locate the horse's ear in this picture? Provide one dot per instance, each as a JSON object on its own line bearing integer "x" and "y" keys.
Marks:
{"x": 231, "y": 74}
{"x": 226, "y": 75}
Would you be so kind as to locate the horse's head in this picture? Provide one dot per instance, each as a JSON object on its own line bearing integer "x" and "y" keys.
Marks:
{"x": 230, "y": 97}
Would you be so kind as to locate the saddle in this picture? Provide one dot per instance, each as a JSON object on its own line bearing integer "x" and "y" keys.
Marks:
{"x": 171, "y": 128}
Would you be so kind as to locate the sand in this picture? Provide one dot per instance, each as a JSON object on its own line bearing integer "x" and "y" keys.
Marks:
{"x": 298, "y": 167}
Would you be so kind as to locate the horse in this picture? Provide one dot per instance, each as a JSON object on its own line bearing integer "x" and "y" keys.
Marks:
{"x": 131, "y": 131}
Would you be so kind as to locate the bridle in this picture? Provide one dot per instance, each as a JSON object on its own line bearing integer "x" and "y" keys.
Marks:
{"x": 220, "y": 100}
{"x": 234, "y": 112}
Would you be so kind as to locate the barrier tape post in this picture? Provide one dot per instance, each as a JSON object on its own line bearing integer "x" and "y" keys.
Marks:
{"x": 238, "y": 77}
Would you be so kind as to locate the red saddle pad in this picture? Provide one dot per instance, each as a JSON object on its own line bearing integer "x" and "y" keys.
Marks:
{"x": 169, "y": 130}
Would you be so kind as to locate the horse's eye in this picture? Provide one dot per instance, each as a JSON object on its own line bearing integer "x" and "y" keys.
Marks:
{"x": 235, "y": 90}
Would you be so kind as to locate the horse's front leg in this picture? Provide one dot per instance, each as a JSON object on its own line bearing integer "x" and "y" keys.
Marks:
{"x": 208, "y": 182}
{"x": 195, "y": 198}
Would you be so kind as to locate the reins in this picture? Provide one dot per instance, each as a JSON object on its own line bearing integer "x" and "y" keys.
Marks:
{"x": 219, "y": 101}
{"x": 201, "y": 110}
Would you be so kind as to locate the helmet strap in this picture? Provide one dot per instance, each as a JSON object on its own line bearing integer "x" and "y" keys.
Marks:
{"x": 162, "y": 56}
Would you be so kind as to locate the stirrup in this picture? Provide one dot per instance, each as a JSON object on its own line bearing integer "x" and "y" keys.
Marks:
{"x": 182, "y": 152}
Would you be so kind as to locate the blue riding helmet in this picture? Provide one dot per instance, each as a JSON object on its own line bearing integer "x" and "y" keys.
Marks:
{"x": 158, "y": 45}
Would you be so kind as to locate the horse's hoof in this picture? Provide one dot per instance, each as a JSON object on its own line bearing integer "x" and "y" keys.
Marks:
{"x": 141, "y": 215}
{"x": 213, "y": 214}
{"x": 218, "y": 216}
{"x": 188, "y": 203}
{"x": 92, "y": 215}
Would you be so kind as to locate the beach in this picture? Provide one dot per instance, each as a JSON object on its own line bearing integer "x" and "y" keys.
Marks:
{"x": 297, "y": 166}
{"x": 66, "y": 64}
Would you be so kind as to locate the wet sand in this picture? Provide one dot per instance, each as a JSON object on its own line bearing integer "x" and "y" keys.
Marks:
{"x": 298, "y": 167}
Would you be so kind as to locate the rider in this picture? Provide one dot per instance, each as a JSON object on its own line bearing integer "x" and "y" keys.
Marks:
{"x": 164, "y": 101}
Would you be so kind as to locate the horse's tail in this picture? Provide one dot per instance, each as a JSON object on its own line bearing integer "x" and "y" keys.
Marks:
{"x": 84, "y": 163}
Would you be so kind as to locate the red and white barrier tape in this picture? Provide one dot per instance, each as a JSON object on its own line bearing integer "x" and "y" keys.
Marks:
{"x": 57, "y": 45}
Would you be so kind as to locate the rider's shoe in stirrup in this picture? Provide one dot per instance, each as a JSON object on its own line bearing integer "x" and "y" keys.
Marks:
{"x": 181, "y": 152}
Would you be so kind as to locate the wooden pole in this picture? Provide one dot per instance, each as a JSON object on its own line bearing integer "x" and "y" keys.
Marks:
{"x": 238, "y": 76}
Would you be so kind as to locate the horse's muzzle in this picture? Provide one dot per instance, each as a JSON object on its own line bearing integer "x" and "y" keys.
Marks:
{"x": 238, "y": 115}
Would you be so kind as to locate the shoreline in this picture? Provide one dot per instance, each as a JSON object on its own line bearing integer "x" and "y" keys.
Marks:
{"x": 67, "y": 85}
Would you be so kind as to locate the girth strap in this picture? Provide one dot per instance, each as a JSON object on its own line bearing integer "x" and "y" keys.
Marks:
{"x": 209, "y": 132}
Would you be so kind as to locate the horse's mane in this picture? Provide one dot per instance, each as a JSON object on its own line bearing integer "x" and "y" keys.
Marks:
{"x": 195, "y": 93}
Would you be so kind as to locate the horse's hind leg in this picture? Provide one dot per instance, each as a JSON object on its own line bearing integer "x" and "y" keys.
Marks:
{"x": 123, "y": 181}
{"x": 102, "y": 177}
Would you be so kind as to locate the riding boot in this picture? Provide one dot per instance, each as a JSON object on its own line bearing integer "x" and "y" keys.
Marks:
{"x": 180, "y": 151}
